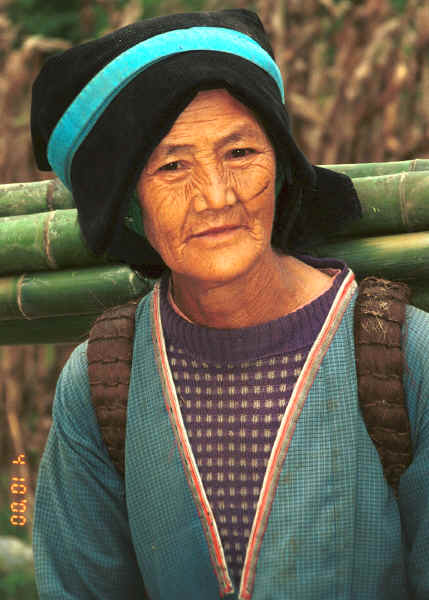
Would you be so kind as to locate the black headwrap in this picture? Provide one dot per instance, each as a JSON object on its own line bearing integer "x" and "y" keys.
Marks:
{"x": 106, "y": 158}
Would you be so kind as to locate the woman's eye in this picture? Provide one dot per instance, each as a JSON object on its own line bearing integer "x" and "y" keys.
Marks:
{"x": 170, "y": 166}
{"x": 241, "y": 152}
{"x": 235, "y": 153}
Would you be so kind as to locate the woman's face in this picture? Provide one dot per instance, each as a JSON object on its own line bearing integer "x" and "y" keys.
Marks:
{"x": 215, "y": 168}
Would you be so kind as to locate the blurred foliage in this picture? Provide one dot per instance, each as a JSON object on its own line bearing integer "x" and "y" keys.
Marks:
{"x": 63, "y": 18}
{"x": 399, "y": 5}
{"x": 69, "y": 19}
{"x": 18, "y": 585}
{"x": 50, "y": 18}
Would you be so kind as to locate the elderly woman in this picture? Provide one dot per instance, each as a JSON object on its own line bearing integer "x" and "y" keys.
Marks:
{"x": 249, "y": 472}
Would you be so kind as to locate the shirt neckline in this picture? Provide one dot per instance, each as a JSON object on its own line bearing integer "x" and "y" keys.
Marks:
{"x": 292, "y": 332}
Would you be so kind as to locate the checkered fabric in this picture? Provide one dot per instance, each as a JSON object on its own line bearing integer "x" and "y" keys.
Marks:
{"x": 333, "y": 528}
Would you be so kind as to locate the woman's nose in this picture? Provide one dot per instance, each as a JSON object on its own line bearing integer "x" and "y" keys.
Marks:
{"x": 214, "y": 191}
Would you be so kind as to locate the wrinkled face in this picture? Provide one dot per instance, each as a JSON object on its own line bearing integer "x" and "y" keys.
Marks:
{"x": 215, "y": 168}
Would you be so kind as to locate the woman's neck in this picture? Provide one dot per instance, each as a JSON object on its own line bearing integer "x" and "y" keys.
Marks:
{"x": 269, "y": 292}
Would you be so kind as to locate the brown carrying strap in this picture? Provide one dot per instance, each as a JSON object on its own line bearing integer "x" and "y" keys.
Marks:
{"x": 378, "y": 319}
{"x": 110, "y": 349}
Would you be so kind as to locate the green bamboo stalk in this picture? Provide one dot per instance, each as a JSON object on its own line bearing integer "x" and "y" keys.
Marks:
{"x": 420, "y": 296}
{"x": 34, "y": 197}
{"x": 54, "y": 330}
{"x": 358, "y": 170}
{"x": 69, "y": 292}
{"x": 43, "y": 241}
{"x": 43, "y": 196}
{"x": 396, "y": 203}
{"x": 402, "y": 257}
{"x": 52, "y": 240}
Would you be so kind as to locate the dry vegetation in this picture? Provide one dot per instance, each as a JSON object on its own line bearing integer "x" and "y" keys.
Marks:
{"x": 357, "y": 77}
{"x": 357, "y": 83}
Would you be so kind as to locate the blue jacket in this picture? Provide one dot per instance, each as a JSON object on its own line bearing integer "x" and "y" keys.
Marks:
{"x": 327, "y": 526}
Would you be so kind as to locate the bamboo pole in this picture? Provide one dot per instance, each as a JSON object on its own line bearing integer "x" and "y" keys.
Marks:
{"x": 357, "y": 170}
{"x": 53, "y": 240}
{"x": 397, "y": 203}
{"x": 69, "y": 292}
{"x": 48, "y": 195}
{"x": 402, "y": 257}
{"x": 53, "y": 330}
{"x": 420, "y": 296}
{"x": 43, "y": 241}
{"x": 34, "y": 197}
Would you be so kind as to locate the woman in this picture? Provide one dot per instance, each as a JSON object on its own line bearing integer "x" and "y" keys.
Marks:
{"x": 249, "y": 470}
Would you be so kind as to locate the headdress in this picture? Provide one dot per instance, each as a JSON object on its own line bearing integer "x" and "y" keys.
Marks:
{"x": 100, "y": 109}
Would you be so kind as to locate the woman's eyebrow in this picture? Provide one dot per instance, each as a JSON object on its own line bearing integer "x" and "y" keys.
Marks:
{"x": 237, "y": 135}
{"x": 245, "y": 132}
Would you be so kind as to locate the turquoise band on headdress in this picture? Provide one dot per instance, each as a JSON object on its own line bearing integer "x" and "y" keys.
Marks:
{"x": 83, "y": 113}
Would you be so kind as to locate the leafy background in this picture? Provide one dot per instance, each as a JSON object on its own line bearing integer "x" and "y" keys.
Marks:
{"x": 357, "y": 84}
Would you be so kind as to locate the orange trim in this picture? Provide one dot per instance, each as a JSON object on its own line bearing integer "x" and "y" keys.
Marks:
{"x": 206, "y": 512}
{"x": 174, "y": 305}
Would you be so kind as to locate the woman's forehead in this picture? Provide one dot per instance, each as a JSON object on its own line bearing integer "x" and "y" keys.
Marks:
{"x": 214, "y": 113}
{"x": 216, "y": 100}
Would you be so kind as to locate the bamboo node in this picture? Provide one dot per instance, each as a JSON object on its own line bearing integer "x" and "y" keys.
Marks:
{"x": 403, "y": 201}
{"x": 51, "y": 260}
{"x": 50, "y": 194}
{"x": 19, "y": 296}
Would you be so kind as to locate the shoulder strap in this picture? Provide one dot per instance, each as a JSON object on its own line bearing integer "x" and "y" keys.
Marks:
{"x": 380, "y": 360}
{"x": 110, "y": 349}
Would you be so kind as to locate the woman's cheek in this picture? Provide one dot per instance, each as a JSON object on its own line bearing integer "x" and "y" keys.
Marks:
{"x": 250, "y": 183}
{"x": 186, "y": 192}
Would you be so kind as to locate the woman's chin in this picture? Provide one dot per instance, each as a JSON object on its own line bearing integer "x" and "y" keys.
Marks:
{"x": 223, "y": 267}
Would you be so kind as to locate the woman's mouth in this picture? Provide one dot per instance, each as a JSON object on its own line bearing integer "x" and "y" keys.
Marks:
{"x": 218, "y": 233}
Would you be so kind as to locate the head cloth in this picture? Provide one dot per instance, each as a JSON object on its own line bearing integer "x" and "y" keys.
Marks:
{"x": 100, "y": 109}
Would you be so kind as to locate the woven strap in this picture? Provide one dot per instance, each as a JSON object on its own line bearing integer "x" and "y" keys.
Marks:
{"x": 110, "y": 349}
{"x": 379, "y": 316}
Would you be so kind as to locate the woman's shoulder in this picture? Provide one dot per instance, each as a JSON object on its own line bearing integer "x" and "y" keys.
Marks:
{"x": 73, "y": 384}
{"x": 77, "y": 363}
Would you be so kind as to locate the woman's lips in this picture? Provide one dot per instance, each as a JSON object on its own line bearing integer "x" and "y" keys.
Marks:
{"x": 218, "y": 233}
